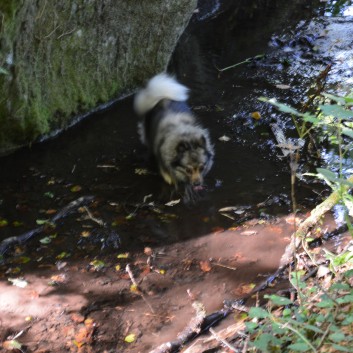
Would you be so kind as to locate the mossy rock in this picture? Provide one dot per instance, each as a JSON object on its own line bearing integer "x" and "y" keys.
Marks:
{"x": 61, "y": 59}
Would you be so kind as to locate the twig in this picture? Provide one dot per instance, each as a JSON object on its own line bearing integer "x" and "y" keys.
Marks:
{"x": 67, "y": 210}
{"x": 94, "y": 219}
{"x": 248, "y": 60}
{"x": 222, "y": 341}
{"x": 139, "y": 291}
{"x": 190, "y": 331}
{"x": 66, "y": 33}
{"x": 224, "y": 266}
{"x": 48, "y": 35}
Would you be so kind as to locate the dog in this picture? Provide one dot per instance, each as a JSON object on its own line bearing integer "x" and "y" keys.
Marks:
{"x": 180, "y": 146}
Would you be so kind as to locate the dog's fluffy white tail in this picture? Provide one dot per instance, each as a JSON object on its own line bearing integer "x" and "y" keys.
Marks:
{"x": 159, "y": 87}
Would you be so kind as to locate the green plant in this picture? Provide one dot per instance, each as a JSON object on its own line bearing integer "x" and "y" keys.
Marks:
{"x": 323, "y": 322}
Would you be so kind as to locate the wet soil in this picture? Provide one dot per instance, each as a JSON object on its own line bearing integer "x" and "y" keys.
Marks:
{"x": 78, "y": 295}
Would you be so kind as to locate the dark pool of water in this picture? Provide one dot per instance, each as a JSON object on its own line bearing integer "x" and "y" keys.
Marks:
{"x": 102, "y": 155}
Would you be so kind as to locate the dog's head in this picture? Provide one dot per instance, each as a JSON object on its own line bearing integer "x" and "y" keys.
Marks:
{"x": 193, "y": 159}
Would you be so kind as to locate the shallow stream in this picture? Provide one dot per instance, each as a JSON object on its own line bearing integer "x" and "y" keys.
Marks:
{"x": 102, "y": 156}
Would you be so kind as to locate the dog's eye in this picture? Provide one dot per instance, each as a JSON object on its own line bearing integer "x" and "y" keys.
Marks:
{"x": 188, "y": 170}
{"x": 201, "y": 168}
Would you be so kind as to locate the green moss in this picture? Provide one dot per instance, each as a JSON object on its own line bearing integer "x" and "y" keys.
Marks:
{"x": 64, "y": 58}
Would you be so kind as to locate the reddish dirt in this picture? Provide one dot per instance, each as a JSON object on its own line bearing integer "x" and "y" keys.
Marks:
{"x": 81, "y": 309}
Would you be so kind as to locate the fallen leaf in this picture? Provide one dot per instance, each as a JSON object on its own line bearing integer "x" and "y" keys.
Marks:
{"x": 78, "y": 318}
{"x": 17, "y": 223}
{"x": 18, "y": 282}
{"x": 85, "y": 234}
{"x": 123, "y": 256}
{"x": 172, "y": 203}
{"x": 89, "y": 322}
{"x": 49, "y": 194}
{"x": 62, "y": 255}
{"x": 281, "y": 86}
{"x": 3, "y": 222}
{"x": 97, "y": 264}
{"x": 45, "y": 240}
{"x": 61, "y": 278}
{"x": 42, "y": 221}
{"x": 117, "y": 268}
{"x": 130, "y": 338}
{"x": 12, "y": 345}
{"x": 60, "y": 265}
{"x": 205, "y": 266}
{"x": 141, "y": 171}
{"x": 134, "y": 289}
{"x": 224, "y": 138}
{"x": 256, "y": 115}
{"x": 76, "y": 188}
{"x": 249, "y": 232}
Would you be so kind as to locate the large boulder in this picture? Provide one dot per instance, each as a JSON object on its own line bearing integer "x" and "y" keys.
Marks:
{"x": 59, "y": 59}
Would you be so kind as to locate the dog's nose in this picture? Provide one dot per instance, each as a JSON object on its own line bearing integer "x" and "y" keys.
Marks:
{"x": 196, "y": 183}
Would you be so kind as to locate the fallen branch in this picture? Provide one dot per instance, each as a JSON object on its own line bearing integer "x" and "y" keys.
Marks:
{"x": 222, "y": 341}
{"x": 190, "y": 331}
{"x": 64, "y": 212}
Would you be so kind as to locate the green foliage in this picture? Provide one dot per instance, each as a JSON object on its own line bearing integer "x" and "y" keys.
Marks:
{"x": 332, "y": 123}
{"x": 320, "y": 319}
{"x": 312, "y": 324}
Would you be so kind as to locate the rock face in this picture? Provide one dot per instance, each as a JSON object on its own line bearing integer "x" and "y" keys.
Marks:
{"x": 61, "y": 59}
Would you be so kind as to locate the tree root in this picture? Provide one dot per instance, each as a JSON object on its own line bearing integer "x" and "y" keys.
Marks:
{"x": 64, "y": 212}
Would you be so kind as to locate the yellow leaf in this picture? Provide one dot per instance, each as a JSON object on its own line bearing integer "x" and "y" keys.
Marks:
{"x": 78, "y": 344}
{"x": 117, "y": 268}
{"x": 97, "y": 264}
{"x": 85, "y": 234}
{"x": 123, "y": 256}
{"x": 141, "y": 171}
{"x": 3, "y": 222}
{"x": 134, "y": 288}
{"x": 256, "y": 115}
{"x": 130, "y": 338}
{"x": 76, "y": 188}
{"x": 12, "y": 345}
